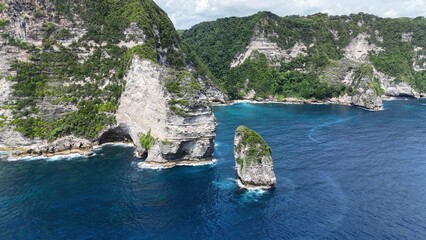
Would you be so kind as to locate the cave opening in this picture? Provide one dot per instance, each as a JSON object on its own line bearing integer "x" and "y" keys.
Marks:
{"x": 120, "y": 133}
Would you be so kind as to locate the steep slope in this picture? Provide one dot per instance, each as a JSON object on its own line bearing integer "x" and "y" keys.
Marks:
{"x": 70, "y": 68}
{"x": 351, "y": 59}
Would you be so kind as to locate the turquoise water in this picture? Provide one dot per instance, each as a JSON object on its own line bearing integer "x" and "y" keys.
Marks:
{"x": 342, "y": 173}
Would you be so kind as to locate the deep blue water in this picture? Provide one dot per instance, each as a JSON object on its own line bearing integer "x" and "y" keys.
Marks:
{"x": 342, "y": 173}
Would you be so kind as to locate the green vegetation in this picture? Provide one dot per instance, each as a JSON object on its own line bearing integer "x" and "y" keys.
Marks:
{"x": 3, "y": 121}
{"x": 364, "y": 70}
{"x": 257, "y": 147}
{"x": 181, "y": 83}
{"x": 2, "y": 7}
{"x": 268, "y": 81}
{"x": 88, "y": 75}
{"x": 146, "y": 140}
{"x": 3, "y": 23}
{"x": 375, "y": 85}
{"x": 177, "y": 105}
{"x": 218, "y": 42}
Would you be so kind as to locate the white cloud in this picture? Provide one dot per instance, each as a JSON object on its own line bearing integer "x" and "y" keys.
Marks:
{"x": 185, "y": 13}
{"x": 391, "y": 13}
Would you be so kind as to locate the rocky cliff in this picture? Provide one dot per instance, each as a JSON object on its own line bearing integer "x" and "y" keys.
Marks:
{"x": 179, "y": 118}
{"x": 76, "y": 74}
{"x": 253, "y": 161}
{"x": 356, "y": 59}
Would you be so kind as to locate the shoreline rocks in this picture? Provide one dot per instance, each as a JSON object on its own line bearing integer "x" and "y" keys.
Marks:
{"x": 253, "y": 161}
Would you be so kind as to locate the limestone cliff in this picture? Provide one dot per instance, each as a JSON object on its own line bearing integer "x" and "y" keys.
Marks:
{"x": 71, "y": 78}
{"x": 181, "y": 121}
{"x": 253, "y": 161}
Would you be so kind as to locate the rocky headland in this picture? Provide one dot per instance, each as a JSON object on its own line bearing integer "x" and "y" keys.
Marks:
{"x": 71, "y": 80}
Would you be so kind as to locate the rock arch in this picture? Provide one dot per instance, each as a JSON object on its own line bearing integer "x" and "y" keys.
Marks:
{"x": 119, "y": 133}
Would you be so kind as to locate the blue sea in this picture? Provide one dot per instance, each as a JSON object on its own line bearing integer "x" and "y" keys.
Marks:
{"x": 342, "y": 173}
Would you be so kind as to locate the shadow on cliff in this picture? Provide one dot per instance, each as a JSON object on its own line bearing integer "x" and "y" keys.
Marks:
{"x": 120, "y": 133}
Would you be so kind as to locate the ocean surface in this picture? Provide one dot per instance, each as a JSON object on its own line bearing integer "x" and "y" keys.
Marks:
{"x": 342, "y": 173}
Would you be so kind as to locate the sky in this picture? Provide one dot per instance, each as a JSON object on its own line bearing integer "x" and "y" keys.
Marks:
{"x": 186, "y": 13}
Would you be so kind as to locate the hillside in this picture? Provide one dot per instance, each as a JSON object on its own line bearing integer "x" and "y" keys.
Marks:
{"x": 68, "y": 68}
{"x": 357, "y": 58}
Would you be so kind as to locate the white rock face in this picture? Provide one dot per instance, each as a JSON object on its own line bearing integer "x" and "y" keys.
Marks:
{"x": 407, "y": 37}
{"x": 144, "y": 106}
{"x": 359, "y": 48}
{"x": 253, "y": 169}
{"x": 10, "y": 138}
{"x": 273, "y": 52}
{"x": 5, "y": 91}
{"x": 401, "y": 89}
{"x": 143, "y": 96}
{"x": 134, "y": 36}
{"x": 250, "y": 95}
{"x": 393, "y": 88}
{"x": 419, "y": 61}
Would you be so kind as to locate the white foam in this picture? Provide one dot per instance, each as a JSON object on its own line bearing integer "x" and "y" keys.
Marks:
{"x": 48, "y": 159}
{"x": 120, "y": 144}
{"x": 64, "y": 157}
{"x": 256, "y": 190}
{"x": 144, "y": 165}
{"x": 28, "y": 158}
{"x": 197, "y": 164}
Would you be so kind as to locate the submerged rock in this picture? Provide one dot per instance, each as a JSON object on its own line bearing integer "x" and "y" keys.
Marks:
{"x": 253, "y": 159}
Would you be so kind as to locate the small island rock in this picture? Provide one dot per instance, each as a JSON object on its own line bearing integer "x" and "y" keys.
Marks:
{"x": 253, "y": 159}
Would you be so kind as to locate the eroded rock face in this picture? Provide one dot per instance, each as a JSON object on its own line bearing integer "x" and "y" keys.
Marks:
{"x": 182, "y": 132}
{"x": 367, "y": 98}
{"x": 253, "y": 161}
{"x": 65, "y": 145}
{"x": 261, "y": 43}
{"x": 359, "y": 49}
{"x": 401, "y": 89}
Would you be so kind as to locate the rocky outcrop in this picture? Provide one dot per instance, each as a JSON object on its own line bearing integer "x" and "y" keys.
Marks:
{"x": 183, "y": 127}
{"x": 261, "y": 44}
{"x": 393, "y": 88}
{"x": 212, "y": 92}
{"x": 66, "y": 145}
{"x": 134, "y": 36}
{"x": 367, "y": 98}
{"x": 401, "y": 89}
{"x": 253, "y": 161}
{"x": 359, "y": 49}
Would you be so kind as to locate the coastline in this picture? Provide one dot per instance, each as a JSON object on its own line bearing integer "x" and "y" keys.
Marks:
{"x": 167, "y": 165}
{"x": 22, "y": 153}
{"x": 296, "y": 101}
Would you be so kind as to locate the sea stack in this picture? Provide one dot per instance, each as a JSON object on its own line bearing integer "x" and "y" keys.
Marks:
{"x": 253, "y": 160}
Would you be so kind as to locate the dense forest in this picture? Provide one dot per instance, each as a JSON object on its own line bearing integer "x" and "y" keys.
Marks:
{"x": 218, "y": 42}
